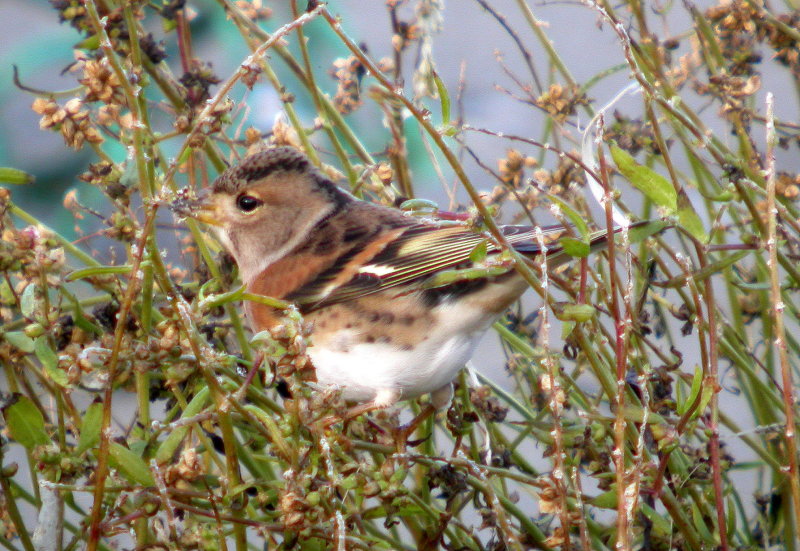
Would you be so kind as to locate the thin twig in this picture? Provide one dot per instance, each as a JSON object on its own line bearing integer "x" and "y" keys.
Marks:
{"x": 776, "y": 301}
{"x": 243, "y": 70}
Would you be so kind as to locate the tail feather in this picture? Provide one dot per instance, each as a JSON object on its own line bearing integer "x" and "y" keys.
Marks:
{"x": 525, "y": 240}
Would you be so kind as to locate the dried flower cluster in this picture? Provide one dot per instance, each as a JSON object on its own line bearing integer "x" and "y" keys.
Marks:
{"x": 632, "y": 135}
{"x": 560, "y": 102}
{"x": 512, "y": 174}
{"x": 254, "y": 9}
{"x": 787, "y": 185}
{"x": 102, "y": 83}
{"x": 217, "y": 118}
{"x": 737, "y": 30}
{"x": 531, "y": 190}
{"x": 348, "y": 73}
{"x": 512, "y": 167}
{"x": 72, "y": 120}
{"x": 429, "y": 21}
{"x": 740, "y": 28}
{"x": 285, "y": 134}
{"x": 284, "y": 346}
{"x": 197, "y": 82}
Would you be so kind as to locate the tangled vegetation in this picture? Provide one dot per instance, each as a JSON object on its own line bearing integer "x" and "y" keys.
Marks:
{"x": 645, "y": 384}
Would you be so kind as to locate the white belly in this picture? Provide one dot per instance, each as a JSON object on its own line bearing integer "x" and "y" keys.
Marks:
{"x": 362, "y": 370}
{"x": 368, "y": 368}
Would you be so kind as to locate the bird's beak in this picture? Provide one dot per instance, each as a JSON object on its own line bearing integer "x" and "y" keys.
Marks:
{"x": 202, "y": 208}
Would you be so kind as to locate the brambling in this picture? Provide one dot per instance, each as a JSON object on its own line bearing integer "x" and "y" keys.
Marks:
{"x": 391, "y": 317}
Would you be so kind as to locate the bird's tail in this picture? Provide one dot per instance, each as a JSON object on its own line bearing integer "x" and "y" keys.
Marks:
{"x": 563, "y": 244}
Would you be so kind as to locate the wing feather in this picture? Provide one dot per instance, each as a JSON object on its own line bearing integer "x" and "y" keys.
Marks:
{"x": 414, "y": 255}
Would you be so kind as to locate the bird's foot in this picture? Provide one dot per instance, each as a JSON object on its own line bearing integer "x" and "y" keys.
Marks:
{"x": 327, "y": 422}
{"x": 382, "y": 400}
{"x": 404, "y": 432}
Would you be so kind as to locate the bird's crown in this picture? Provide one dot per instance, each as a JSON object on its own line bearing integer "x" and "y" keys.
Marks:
{"x": 261, "y": 165}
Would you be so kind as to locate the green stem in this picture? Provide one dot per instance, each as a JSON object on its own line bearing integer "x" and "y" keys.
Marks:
{"x": 12, "y": 510}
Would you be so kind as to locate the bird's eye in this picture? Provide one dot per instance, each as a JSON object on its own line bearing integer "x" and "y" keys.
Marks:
{"x": 247, "y": 203}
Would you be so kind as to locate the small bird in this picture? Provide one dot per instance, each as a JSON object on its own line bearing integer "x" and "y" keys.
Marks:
{"x": 393, "y": 315}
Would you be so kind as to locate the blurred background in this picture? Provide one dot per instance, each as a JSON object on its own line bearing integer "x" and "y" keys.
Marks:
{"x": 466, "y": 50}
{"x": 474, "y": 55}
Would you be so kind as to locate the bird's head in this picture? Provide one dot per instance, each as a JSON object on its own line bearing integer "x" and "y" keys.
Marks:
{"x": 265, "y": 206}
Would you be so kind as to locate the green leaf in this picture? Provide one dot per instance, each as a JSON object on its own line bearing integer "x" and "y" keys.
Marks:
{"x": 210, "y": 287}
{"x": 639, "y": 232}
{"x": 138, "y": 447}
{"x": 722, "y": 197}
{"x": 689, "y": 220}
{"x": 448, "y": 277}
{"x": 746, "y": 466}
{"x": 410, "y": 510}
{"x": 660, "y": 524}
{"x": 705, "y": 397}
{"x": 701, "y": 524}
{"x": 732, "y": 516}
{"x": 636, "y": 414}
{"x": 212, "y": 301}
{"x": 697, "y": 381}
{"x": 6, "y": 294}
{"x": 90, "y": 427}
{"x": 83, "y": 322}
{"x": 479, "y": 253}
{"x": 15, "y": 176}
{"x": 271, "y": 346}
{"x": 97, "y": 271}
{"x": 129, "y": 465}
{"x": 374, "y": 512}
{"x": 90, "y": 43}
{"x": 575, "y": 247}
{"x": 606, "y": 500}
{"x": 168, "y": 25}
{"x": 708, "y": 271}
{"x": 448, "y": 130}
{"x": 315, "y": 544}
{"x": 268, "y": 301}
{"x": 167, "y": 448}
{"x": 572, "y": 215}
{"x": 444, "y": 98}
{"x": 757, "y": 286}
{"x": 27, "y": 302}
{"x": 79, "y": 317}
{"x": 284, "y": 450}
{"x": 565, "y": 311}
{"x": 419, "y": 205}
{"x": 185, "y": 155}
{"x": 49, "y": 361}
{"x": 655, "y": 187}
{"x": 25, "y": 422}
{"x": 567, "y": 328}
{"x": 20, "y": 341}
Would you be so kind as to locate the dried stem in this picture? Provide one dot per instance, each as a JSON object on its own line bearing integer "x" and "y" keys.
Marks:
{"x": 776, "y": 300}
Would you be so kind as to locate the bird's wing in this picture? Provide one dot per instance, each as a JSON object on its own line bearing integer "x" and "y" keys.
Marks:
{"x": 411, "y": 257}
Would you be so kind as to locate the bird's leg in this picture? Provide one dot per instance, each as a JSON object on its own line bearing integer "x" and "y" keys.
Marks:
{"x": 383, "y": 399}
{"x": 240, "y": 394}
{"x": 404, "y": 432}
{"x": 440, "y": 399}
